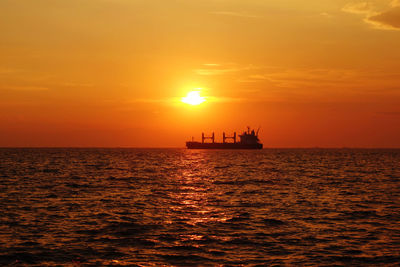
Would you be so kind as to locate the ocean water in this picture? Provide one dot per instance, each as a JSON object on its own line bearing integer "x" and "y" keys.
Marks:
{"x": 178, "y": 207}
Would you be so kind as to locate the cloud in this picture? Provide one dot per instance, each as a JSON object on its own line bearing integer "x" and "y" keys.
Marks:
{"x": 234, "y": 14}
{"x": 389, "y": 20}
{"x": 177, "y": 100}
{"x": 326, "y": 15}
{"x": 76, "y": 85}
{"x": 301, "y": 78}
{"x": 220, "y": 69}
{"x": 326, "y": 79}
{"x": 395, "y": 3}
{"x": 207, "y": 72}
{"x": 24, "y": 88}
{"x": 259, "y": 77}
{"x": 304, "y": 78}
{"x": 211, "y": 64}
{"x": 358, "y": 8}
{"x": 227, "y": 99}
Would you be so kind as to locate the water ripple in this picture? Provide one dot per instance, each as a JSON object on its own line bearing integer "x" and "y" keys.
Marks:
{"x": 151, "y": 207}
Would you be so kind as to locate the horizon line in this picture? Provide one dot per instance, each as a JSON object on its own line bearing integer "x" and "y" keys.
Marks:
{"x": 132, "y": 147}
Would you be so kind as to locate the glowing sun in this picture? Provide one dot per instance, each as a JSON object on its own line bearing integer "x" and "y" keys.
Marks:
{"x": 193, "y": 98}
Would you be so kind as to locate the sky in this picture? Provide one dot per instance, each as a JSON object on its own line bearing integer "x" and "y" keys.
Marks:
{"x": 111, "y": 73}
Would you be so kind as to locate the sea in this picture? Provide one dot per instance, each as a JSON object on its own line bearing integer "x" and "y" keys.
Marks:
{"x": 179, "y": 207}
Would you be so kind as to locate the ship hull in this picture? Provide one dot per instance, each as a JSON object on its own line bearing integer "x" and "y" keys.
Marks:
{"x": 198, "y": 145}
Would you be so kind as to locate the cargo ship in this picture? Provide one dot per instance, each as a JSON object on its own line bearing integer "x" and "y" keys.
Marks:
{"x": 248, "y": 140}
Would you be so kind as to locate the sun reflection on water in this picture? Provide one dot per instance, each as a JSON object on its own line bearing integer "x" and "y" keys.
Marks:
{"x": 195, "y": 194}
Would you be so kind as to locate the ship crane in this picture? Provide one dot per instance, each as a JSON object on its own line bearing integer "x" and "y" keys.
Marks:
{"x": 224, "y": 137}
{"x": 204, "y": 138}
{"x": 258, "y": 130}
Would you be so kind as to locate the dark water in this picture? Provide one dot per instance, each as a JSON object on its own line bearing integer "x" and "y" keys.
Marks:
{"x": 180, "y": 207}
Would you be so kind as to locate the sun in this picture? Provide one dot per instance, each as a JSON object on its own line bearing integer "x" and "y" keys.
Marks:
{"x": 193, "y": 98}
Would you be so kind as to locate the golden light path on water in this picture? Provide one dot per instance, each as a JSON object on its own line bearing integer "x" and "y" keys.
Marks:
{"x": 194, "y": 197}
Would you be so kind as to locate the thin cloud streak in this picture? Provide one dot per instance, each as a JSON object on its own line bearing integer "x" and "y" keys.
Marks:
{"x": 210, "y": 72}
{"x": 221, "y": 69}
{"x": 24, "y": 88}
{"x": 174, "y": 100}
{"x": 359, "y": 8}
{"x": 233, "y": 14}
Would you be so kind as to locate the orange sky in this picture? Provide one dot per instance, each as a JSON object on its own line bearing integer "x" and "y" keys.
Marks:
{"x": 111, "y": 72}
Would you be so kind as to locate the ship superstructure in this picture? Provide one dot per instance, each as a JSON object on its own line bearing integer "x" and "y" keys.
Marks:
{"x": 247, "y": 140}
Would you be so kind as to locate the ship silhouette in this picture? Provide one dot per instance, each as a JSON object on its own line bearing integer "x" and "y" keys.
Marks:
{"x": 248, "y": 140}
